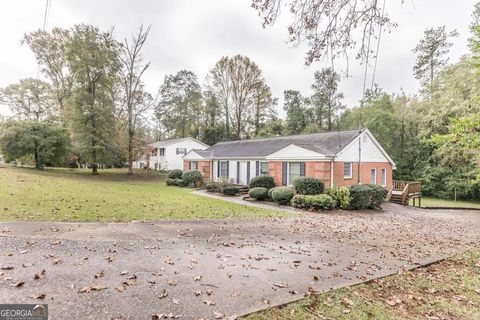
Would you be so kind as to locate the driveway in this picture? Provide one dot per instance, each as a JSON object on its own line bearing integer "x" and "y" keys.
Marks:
{"x": 215, "y": 269}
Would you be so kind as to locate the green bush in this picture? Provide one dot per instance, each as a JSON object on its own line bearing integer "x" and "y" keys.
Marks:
{"x": 378, "y": 195}
{"x": 258, "y": 193}
{"x": 175, "y": 174}
{"x": 308, "y": 185}
{"x": 341, "y": 196}
{"x": 192, "y": 177}
{"x": 266, "y": 182}
{"x": 270, "y": 193}
{"x": 230, "y": 190}
{"x": 175, "y": 182}
{"x": 282, "y": 195}
{"x": 316, "y": 202}
{"x": 366, "y": 196}
{"x": 212, "y": 186}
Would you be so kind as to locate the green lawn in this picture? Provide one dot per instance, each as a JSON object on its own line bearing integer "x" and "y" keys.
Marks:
{"x": 446, "y": 290}
{"x": 434, "y": 202}
{"x": 76, "y": 195}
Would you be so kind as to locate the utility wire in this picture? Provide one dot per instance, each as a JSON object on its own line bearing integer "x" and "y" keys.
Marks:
{"x": 378, "y": 46}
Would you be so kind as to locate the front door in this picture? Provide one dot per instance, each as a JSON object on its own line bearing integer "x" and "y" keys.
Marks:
{"x": 243, "y": 172}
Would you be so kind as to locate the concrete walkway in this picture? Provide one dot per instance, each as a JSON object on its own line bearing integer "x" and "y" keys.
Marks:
{"x": 216, "y": 269}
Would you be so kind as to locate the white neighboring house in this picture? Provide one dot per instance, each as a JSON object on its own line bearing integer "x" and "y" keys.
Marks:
{"x": 167, "y": 154}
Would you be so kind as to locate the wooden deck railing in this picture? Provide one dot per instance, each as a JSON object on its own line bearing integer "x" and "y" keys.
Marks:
{"x": 408, "y": 189}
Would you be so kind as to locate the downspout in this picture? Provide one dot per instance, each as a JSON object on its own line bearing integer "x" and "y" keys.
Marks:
{"x": 331, "y": 171}
{"x": 359, "y": 156}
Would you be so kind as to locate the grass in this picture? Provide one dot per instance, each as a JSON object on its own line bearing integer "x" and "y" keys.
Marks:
{"x": 76, "y": 195}
{"x": 447, "y": 290}
{"x": 435, "y": 202}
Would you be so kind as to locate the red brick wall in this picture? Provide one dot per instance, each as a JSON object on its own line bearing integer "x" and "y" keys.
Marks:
{"x": 275, "y": 170}
{"x": 365, "y": 168}
{"x": 205, "y": 168}
{"x": 318, "y": 169}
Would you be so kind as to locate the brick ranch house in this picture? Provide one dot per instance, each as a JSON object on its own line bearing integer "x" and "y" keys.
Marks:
{"x": 339, "y": 158}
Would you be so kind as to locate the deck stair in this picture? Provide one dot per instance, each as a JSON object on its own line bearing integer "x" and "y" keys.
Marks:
{"x": 402, "y": 191}
{"x": 243, "y": 188}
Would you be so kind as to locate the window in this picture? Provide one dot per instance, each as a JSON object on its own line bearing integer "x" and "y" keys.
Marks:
{"x": 193, "y": 165}
{"x": 347, "y": 170}
{"x": 373, "y": 176}
{"x": 162, "y": 152}
{"x": 384, "y": 177}
{"x": 181, "y": 150}
{"x": 223, "y": 169}
{"x": 263, "y": 168}
{"x": 156, "y": 166}
{"x": 293, "y": 171}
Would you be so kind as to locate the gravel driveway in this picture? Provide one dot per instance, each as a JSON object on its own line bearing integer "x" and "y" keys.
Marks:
{"x": 216, "y": 269}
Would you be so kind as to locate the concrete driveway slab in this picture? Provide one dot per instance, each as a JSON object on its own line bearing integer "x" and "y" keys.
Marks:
{"x": 220, "y": 268}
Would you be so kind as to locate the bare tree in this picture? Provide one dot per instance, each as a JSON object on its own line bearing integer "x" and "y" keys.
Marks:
{"x": 329, "y": 27}
{"x": 136, "y": 101}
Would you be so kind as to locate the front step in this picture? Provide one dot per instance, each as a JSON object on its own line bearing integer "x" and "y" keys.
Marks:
{"x": 397, "y": 198}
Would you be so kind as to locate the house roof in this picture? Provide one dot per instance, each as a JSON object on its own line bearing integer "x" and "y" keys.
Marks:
{"x": 164, "y": 143}
{"x": 327, "y": 143}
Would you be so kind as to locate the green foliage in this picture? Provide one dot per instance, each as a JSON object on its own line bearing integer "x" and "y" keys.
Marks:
{"x": 175, "y": 174}
{"x": 264, "y": 181}
{"x": 230, "y": 190}
{"x": 175, "y": 182}
{"x": 282, "y": 195}
{"x": 192, "y": 177}
{"x": 366, "y": 196}
{"x": 212, "y": 186}
{"x": 308, "y": 185}
{"x": 315, "y": 202}
{"x": 258, "y": 193}
{"x": 270, "y": 191}
{"x": 340, "y": 196}
{"x": 294, "y": 105}
{"x": 48, "y": 143}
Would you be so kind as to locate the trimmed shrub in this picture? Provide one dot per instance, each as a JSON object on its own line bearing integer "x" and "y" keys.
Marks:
{"x": 316, "y": 202}
{"x": 212, "y": 186}
{"x": 175, "y": 182}
{"x": 230, "y": 190}
{"x": 270, "y": 192}
{"x": 341, "y": 196}
{"x": 282, "y": 195}
{"x": 192, "y": 177}
{"x": 366, "y": 196}
{"x": 308, "y": 185}
{"x": 378, "y": 195}
{"x": 258, "y": 193}
{"x": 266, "y": 182}
{"x": 175, "y": 174}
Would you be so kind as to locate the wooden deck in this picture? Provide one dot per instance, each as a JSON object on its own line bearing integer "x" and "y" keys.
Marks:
{"x": 402, "y": 191}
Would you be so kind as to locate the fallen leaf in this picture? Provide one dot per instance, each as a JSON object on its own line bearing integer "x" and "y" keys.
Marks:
{"x": 18, "y": 284}
{"x": 92, "y": 288}
{"x": 99, "y": 274}
{"x": 281, "y": 285}
{"x": 39, "y": 296}
{"x": 197, "y": 278}
{"x": 39, "y": 275}
{"x": 163, "y": 294}
{"x": 209, "y": 302}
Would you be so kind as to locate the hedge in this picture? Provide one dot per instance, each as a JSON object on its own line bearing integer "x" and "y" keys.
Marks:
{"x": 270, "y": 192}
{"x": 258, "y": 193}
{"x": 341, "y": 196}
{"x": 175, "y": 182}
{"x": 192, "y": 177}
{"x": 308, "y": 185}
{"x": 366, "y": 196}
{"x": 175, "y": 174}
{"x": 265, "y": 181}
{"x": 282, "y": 195}
{"x": 231, "y": 190}
{"x": 316, "y": 202}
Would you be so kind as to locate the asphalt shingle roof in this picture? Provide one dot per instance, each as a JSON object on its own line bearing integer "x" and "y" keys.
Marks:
{"x": 328, "y": 143}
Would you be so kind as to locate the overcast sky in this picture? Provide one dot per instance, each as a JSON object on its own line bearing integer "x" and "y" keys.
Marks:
{"x": 193, "y": 35}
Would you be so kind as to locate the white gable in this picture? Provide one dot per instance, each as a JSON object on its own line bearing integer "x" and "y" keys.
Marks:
{"x": 371, "y": 150}
{"x": 192, "y": 155}
{"x": 294, "y": 152}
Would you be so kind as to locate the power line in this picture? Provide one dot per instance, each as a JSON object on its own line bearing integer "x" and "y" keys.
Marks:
{"x": 378, "y": 45}
{"x": 46, "y": 14}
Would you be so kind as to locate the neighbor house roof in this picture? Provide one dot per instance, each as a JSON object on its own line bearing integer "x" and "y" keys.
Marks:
{"x": 164, "y": 143}
{"x": 327, "y": 143}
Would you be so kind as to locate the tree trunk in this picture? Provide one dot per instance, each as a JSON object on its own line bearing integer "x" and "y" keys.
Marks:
{"x": 130, "y": 141}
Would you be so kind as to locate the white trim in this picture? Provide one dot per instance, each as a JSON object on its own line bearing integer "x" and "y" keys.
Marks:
{"x": 300, "y": 153}
{"x": 351, "y": 170}
{"x": 384, "y": 178}
{"x": 373, "y": 170}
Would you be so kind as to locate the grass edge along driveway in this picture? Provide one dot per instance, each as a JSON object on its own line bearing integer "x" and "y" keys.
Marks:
{"x": 75, "y": 195}
{"x": 449, "y": 289}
